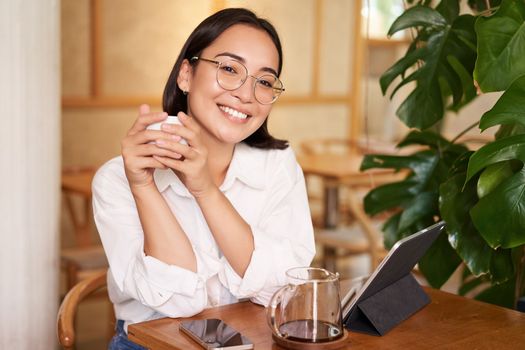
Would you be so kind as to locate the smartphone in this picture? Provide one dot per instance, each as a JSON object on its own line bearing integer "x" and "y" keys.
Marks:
{"x": 213, "y": 333}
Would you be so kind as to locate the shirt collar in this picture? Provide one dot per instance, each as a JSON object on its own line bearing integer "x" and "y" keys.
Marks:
{"x": 247, "y": 165}
{"x": 166, "y": 177}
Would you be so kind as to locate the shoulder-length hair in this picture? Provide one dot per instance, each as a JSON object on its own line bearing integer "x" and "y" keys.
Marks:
{"x": 174, "y": 99}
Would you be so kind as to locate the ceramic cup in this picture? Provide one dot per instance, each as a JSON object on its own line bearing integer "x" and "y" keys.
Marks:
{"x": 169, "y": 120}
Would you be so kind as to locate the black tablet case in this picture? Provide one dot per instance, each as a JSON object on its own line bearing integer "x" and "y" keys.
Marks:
{"x": 394, "y": 294}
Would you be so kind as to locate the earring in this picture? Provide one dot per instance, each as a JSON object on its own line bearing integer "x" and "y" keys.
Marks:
{"x": 184, "y": 92}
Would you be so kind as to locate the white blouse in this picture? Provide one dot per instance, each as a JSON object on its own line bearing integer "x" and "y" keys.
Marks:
{"x": 267, "y": 189}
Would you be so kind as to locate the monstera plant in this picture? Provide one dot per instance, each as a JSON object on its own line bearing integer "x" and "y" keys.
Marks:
{"x": 452, "y": 58}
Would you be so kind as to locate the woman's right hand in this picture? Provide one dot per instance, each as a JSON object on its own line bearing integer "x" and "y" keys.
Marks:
{"x": 138, "y": 149}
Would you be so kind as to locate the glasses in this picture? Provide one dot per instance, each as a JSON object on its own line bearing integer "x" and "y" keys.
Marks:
{"x": 232, "y": 74}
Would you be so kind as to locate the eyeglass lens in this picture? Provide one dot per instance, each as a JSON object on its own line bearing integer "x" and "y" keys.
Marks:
{"x": 232, "y": 74}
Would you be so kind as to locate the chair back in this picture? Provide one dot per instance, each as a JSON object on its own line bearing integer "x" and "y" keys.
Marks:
{"x": 68, "y": 307}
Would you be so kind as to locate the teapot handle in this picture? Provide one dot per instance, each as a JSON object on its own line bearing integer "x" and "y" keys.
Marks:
{"x": 270, "y": 311}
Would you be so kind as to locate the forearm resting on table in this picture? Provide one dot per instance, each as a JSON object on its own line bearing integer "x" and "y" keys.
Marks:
{"x": 164, "y": 239}
{"x": 232, "y": 234}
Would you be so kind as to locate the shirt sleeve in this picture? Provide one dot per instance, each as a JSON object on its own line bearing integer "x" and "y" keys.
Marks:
{"x": 283, "y": 238}
{"x": 168, "y": 289}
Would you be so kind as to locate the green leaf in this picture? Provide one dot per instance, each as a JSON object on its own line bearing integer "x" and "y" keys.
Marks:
{"x": 500, "y": 215}
{"x": 481, "y": 5}
{"x": 390, "y": 196}
{"x": 501, "y": 266}
{"x": 492, "y": 176}
{"x": 436, "y": 78}
{"x": 421, "y": 207}
{"x": 427, "y": 138}
{"x": 431, "y": 139}
{"x": 501, "y": 46}
{"x": 440, "y": 261}
{"x": 449, "y": 9}
{"x": 422, "y": 108}
{"x": 400, "y": 67}
{"x": 512, "y": 147}
{"x": 463, "y": 28}
{"x": 450, "y": 81}
{"x": 460, "y": 164}
{"x": 507, "y": 130}
{"x": 477, "y": 255}
{"x": 421, "y": 163}
{"x": 417, "y": 16}
{"x": 390, "y": 232}
{"x": 466, "y": 79}
{"x": 509, "y": 109}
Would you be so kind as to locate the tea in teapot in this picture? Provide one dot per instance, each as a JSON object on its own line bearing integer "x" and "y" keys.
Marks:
{"x": 308, "y": 308}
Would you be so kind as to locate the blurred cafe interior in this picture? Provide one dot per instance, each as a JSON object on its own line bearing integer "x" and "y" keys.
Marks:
{"x": 79, "y": 69}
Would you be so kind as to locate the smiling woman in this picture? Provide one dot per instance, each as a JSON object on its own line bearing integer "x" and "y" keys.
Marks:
{"x": 224, "y": 89}
{"x": 190, "y": 226}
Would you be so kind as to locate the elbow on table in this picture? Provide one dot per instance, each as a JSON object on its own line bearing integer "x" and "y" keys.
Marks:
{"x": 185, "y": 307}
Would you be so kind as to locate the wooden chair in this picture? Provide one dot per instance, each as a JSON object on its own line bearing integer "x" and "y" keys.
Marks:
{"x": 86, "y": 256}
{"x": 340, "y": 146}
{"x": 68, "y": 308}
{"x": 340, "y": 241}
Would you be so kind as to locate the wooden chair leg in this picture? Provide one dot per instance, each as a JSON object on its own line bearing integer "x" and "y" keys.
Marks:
{"x": 71, "y": 275}
{"x": 329, "y": 259}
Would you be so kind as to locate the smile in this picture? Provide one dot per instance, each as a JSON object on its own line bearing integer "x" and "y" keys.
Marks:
{"x": 233, "y": 113}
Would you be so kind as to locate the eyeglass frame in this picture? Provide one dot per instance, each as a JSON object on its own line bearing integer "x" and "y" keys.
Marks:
{"x": 256, "y": 79}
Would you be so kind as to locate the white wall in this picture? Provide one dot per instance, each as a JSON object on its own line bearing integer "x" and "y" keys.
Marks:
{"x": 29, "y": 173}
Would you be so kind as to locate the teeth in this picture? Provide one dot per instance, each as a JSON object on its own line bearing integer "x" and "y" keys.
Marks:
{"x": 233, "y": 112}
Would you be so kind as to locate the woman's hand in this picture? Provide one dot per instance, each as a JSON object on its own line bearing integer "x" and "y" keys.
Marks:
{"x": 138, "y": 149}
{"x": 191, "y": 162}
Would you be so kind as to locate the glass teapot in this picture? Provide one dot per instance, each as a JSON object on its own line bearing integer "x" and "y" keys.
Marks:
{"x": 308, "y": 308}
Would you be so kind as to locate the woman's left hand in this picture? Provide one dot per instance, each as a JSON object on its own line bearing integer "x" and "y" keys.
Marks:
{"x": 192, "y": 165}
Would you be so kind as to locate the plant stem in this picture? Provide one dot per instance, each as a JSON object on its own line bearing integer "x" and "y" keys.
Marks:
{"x": 470, "y": 127}
{"x": 519, "y": 290}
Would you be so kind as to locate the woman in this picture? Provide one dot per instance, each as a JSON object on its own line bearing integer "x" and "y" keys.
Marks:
{"x": 221, "y": 218}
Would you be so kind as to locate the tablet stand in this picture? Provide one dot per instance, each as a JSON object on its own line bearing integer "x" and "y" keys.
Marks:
{"x": 387, "y": 308}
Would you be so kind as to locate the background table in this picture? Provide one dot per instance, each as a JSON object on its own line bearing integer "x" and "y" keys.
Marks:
{"x": 448, "y": 322}
{"x": 76, "y": 182}
{"x": 337, "y": 171}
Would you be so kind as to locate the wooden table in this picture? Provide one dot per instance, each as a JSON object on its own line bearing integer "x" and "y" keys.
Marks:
{"x": 76, "y": 181}
{"x": 342, "y": 169}
{"x": 332, "y": 168}
{"x": 448, "y": 322}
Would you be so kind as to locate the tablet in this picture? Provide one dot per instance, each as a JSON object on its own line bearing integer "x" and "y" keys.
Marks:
{"x": 399, "y": 262}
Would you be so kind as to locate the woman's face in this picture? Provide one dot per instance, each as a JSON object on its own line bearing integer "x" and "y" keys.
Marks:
{"x": 221, "y": 112}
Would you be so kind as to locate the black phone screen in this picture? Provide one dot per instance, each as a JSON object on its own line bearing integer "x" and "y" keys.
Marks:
{"x": 213, "y": 333}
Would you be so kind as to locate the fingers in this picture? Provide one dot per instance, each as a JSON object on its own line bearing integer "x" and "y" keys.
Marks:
{"x": 148, "y": 136}
{"x": 177, "y": 147}
{"x": 148, "y": 163}
{"x": 145, "y": 119}
{"x": 148, "y": 150}
{"x": 144, "y": 109}
{"x": 189, "y": 130}
{"x": 170, "y": 163}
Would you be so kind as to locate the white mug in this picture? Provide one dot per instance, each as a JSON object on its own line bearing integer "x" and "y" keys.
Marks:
{"x": 171, "y": 119}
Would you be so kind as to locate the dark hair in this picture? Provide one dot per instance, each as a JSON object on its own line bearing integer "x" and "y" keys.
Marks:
{"x": 174, "y": 99}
